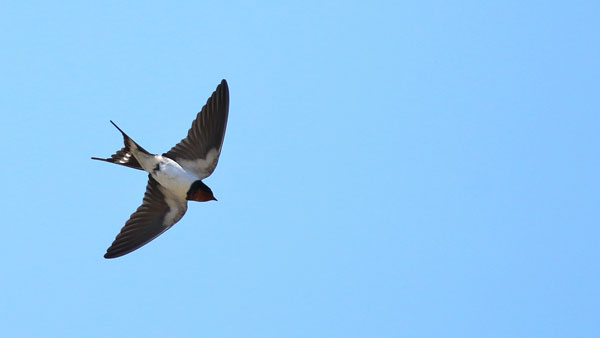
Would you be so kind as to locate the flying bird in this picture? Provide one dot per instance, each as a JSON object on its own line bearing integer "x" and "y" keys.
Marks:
{"x": 174, "y": 177}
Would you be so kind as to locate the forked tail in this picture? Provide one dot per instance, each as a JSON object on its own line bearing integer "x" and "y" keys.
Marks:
{"x": 124, "y": 156}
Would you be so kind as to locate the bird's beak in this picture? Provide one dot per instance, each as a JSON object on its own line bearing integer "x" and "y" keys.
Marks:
{"x": 214, "y": 198}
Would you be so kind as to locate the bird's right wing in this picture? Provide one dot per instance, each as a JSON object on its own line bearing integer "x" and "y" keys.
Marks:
{"x": 159, "y": 212}
{"x": 199, "y": 152}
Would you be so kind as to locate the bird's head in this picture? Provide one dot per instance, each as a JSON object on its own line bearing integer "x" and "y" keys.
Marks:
{"x": 200, "y": 192}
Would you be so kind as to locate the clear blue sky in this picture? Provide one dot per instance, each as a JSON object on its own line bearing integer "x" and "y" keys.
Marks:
{"x": 389, "y": 169}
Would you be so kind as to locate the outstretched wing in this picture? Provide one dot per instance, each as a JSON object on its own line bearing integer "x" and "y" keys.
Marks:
{"x": 157, "y": 214}
{"x": 199, "y": 152}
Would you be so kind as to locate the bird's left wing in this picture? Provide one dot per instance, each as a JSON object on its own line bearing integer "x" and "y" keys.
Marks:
{"x": 159, "y": 212}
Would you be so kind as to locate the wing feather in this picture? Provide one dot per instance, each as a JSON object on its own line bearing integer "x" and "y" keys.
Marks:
{"x": 157, "y": 214}
{"x": 199, "y": 152}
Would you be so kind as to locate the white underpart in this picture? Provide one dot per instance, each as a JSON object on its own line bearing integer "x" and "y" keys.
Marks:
{"x": 202, "y": 167}
{"x": 171, "y": 176}
{"x": 177, "y": 207}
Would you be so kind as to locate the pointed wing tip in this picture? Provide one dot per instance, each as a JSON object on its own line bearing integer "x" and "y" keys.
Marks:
{"x": 223, "y": 92}
{"x": 109, "y": 255}
{"x": 224, "y": 85}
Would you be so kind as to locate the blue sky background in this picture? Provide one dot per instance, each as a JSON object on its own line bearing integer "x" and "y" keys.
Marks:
{"x": 389, "y": 169}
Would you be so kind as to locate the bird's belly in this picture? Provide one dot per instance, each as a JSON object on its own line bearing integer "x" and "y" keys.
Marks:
{"x": 174, "y": 178}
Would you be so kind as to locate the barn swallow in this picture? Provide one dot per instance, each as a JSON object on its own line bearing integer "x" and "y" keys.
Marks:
{"x": 174, "y": 177}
